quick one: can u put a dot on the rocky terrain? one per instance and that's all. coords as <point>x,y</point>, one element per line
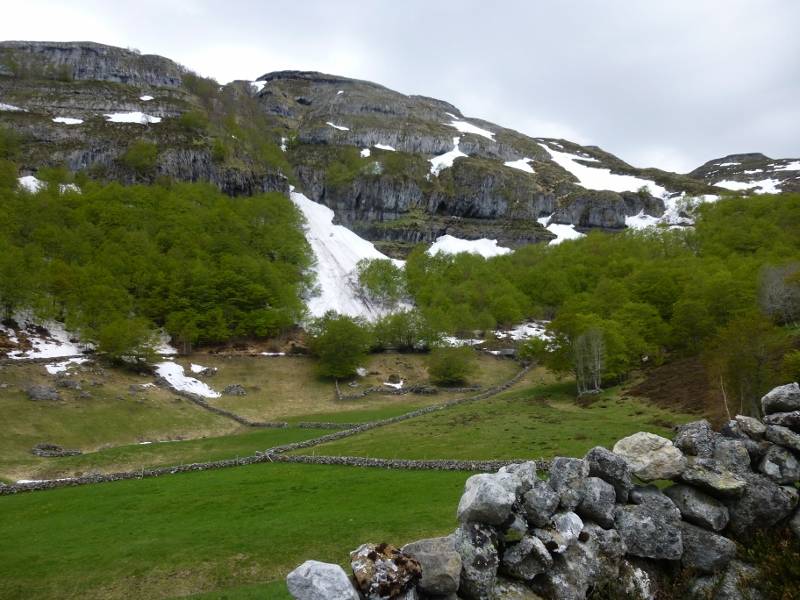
<point>396,169</point>
<point>596,525</point>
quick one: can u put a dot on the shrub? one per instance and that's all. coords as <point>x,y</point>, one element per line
<point>381,280</point>
<point>193,121</point>
<point>451,366</point>
<point>340,343</point>
<point>141,157</point>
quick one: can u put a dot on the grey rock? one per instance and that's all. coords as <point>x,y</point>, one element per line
<point>383,571</point>
<point>648,532</point>
<point>611,468</point>
<point>752,427</point>
<point>785,398</point>
<point>790,420</point>
<point>783,436</point>
<point>488,498</point>
<point>730,585</point>
<point>710,476</point>
<point>598,502</point>
<point>234,389</point>
<point>526,559</point>
<point>525,472</point>
<point>732,454</point>
<point>567,476</point>
<point>657,500</point>
<point>651,457</point>
<point>516,530</point>
<point>441,564</point>
<point>696,439</point>
<point>763,504</point>
<point>477,546</point>
<point>698,508</point>
<point>315,580</point>
<point>794,524</point>
<point>539,504</point>
<point>563,531</point>
<point>42,393</point>
<point>508,589</point>
<point>705,551</point>
<point>68,384</point>
<point>780,465</point>
<point>52,451</point>
<point>634,583</point>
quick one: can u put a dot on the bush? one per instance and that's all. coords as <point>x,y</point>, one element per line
<point>340,343</point>
<point>451,366</point>
<point>141,157</point>
<point>193,121</point>
<point>382,281</point>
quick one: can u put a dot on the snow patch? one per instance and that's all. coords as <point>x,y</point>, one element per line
<point>340,92</point>
<point>272,353</point>
<point>397,386</point>
<point>339,127</point>
<point>337,251</point>
<point>445,161</point>
<point>362,372</point>
<point>792,166</point>
<point>764,186</point>
<point>163,347</point>
<point>173,374</point>
<point>11,108</point>
<point>49,339</point>
<point>131,117</point>
<point>597,178</point>
<point>447,244</point>
<point>365,153</point>
<point>561,231</point>
<point>727,164</point>
<point>526,331</point>
<point>68,120</point>
<point>145,98</point>
<point>465,127</point>
<point>197,368</point>
<point>384,147</point>
<point>454,342</point>
<point>641,221</point>
<point>522,164</point>
<point>259,85</point>
<point>61,367</point>
<point>283,144</point>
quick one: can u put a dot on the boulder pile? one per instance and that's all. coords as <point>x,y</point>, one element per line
<point>599,522</point>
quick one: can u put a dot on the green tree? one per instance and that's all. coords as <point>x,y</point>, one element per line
<point>141,157</point>
<point>340,343</point>
<point>451,366</point>
<point>382,281</point>
<point>126,341</point>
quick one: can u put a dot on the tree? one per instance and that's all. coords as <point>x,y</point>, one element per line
<point>141,158</point>
<point>340,343</point>
<point>451,366</point>
<point>779,292</point>
<point>381,280</point>
<point>127,340</point>
<point>589,352</point>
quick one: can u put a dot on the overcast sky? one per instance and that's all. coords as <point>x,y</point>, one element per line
<point>670,84</point>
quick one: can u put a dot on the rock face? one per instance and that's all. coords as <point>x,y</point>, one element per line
<point>790,420</point>
<point>651,456</point>
<point>315,580</point>
<point>441,565</point>
<point>521,542</point>
<point>383,571</point>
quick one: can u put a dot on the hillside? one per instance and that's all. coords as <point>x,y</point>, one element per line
<point>395,169</point>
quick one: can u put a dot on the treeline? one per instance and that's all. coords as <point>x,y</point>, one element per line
<point>115,262</point>
<point>728,289</point>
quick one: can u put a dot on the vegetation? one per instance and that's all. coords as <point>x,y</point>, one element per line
<point>116,262</point>
<point>382,280</point>
<point>141,158</point>
<point>340,343</point>
<point>451,366</point>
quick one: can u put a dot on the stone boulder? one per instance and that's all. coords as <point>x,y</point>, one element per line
<point>611,468</point>
<point>52,451</point>
<point>651,456</point>
<point>763,504</point>
<point>234,389</point>
<point>477,546</point>
<point>780,465</point>
<point>698,508</point>
<point>562,532</point>
<point>598,502</point>
<point>732,454</point>
<point>567,477</point>
<point>315,580</point>
<point>708,475</point>
<point>526,559</point>
<point>649,531</point>
<point>783,436</point>
<point>790,420</point>
<point>752,427</point>
<point>488,498</point>
<point>705,551</point>
<point>784,398</point>
<point>508,589</point>
<point>382,571</point>
<point>731,585</point>
<point>42,393</point>
<point>525,472</point>
<point>540,503</point>
<point>696,439</point>
<point>441,564</point>
<point>794,524</point>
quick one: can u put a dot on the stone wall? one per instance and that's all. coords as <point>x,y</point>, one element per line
<point>599,522</point>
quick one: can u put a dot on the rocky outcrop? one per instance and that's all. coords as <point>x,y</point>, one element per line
<point>519,534</point>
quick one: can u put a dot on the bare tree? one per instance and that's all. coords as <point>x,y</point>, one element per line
<point>779,292</point>
<point>590,357</point>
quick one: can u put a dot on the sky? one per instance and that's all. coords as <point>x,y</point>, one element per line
<point>668,84</point>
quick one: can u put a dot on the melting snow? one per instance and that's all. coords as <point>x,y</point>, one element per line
<point>448,244</point>
<point>259,85</point>
<point>33,185</point>
<point>764,186</point>
<point>173,373</point>
<point>562,232</point>
<point>145,98</point>
<point>522,164</point>
<point>397,386</point>
<point>53,344</point>
<point>365,153</point>
<point>792,166</point>
<point>163,346</point>
<point>60,367</point>
<point>597,178</point>
<point>727,164</point>
<point>444,161</point>
<point>11,108</point>
<point>272,353</point>
<point>197,368</point>
<point>362,372</point>
<point>526,331</point>
<point>132,117</point>
<point>339,127</point>
<point>454,342</point>
<point>337,251</point>
<point>754,171</point>
<point>68,120</point>
<point>384,147</point>
<point>641,221</point>
<point>283,144</point>
<point>465,127</point>
<point>340,92</point>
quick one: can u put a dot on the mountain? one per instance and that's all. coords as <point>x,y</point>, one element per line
<point>396,169</point>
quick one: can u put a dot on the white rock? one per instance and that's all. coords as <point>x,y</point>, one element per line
<point>314,580</point>
<point>651,456</point>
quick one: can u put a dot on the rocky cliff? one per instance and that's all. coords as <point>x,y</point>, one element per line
<point>397,168</point>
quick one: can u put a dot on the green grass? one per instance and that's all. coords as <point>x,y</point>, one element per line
<point>214,530</point>
<point>536,422</point>
<point>125,458</point>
